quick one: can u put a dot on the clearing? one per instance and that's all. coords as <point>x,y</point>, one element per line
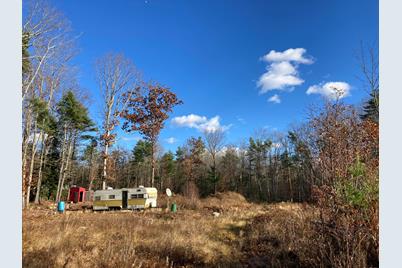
<point>243,235</point>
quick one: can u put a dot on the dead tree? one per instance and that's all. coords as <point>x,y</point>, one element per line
<point>116,76</point>
<point>214,142</point>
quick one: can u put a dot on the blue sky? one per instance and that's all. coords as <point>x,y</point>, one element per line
<point>211,54</point>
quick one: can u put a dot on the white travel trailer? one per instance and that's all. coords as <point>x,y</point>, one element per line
<point>126,198</point>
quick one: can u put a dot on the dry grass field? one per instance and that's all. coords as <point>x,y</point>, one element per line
<point>243,235</point>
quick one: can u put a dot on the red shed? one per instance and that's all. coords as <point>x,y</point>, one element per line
<point>77,194</point>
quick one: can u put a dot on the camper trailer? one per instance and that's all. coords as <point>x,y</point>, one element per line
<point>126,198</point>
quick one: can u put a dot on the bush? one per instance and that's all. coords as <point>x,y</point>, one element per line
<point>359,190</point>
<point>347,230</point>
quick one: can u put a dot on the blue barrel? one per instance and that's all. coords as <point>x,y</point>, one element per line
<point>60,206</point>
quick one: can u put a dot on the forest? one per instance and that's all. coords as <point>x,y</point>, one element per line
<point>329,161</point>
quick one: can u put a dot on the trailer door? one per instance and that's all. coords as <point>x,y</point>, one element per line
<point>124,199</point>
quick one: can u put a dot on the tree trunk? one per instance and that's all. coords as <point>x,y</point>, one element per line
<point>153,164</point>
<point>31,167</point>
<point>160,179</point>
<point>41,164</point>
<point>70,147</point>
<point>25,143</point>
<point>63,153</point>
<point>153,172</point>
<point>25,146</point>
<point>104,175</point>
<point>91,171</point>
<point>63,160</point>
<point>110,103</point>
<point>214,172</point>
<point>290,186</point>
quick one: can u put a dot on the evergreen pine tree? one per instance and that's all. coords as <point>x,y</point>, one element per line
<point>371,107</point>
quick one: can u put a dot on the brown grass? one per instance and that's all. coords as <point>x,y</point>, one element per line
<point>281,237</point>
<point>244,235</point>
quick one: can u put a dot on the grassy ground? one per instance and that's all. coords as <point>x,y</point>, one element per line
<point>243,235</point>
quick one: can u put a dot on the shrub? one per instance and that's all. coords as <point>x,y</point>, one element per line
<point>359,190</point>
<point>347,230</point>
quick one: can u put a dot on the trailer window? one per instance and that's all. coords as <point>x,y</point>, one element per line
<point>134,196</point>
<point>111,196</point>
<point>97,198</point>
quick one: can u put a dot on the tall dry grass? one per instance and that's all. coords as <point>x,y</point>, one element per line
<point>244,235</point>
<point>154,238</point>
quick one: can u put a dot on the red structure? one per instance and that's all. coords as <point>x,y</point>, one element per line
<point>77,194</point>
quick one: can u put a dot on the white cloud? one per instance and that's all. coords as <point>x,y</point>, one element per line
<point>201,123</point>
<point>279,76</point>
<point>275,99</point>
<point>282,72</point>
<point>331,90</point>
<point>191,120</point>
<point>171,140</point>
<point>291,54</point>
<point>213,125</point>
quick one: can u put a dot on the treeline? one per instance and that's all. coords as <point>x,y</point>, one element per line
<point>267,167</point>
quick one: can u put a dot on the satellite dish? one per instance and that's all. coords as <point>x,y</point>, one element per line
<point>168,192</point>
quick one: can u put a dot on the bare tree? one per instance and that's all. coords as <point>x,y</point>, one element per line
<point>47,46</point>
<point>368,62</point>
<point>214,143</point>
<point>42,162</point>
<point>117,77</point>
<point>47,33</point>
<point>367,58</point>
<point>92,163</point>
<point>35,140</point>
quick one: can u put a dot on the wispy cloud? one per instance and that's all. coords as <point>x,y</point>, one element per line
<point>134,138</point>
<point>275,99</point>
<point>171,140</point>
<point>241,120</point>
<point>331,90</point>
<point>202,123</point>
<point>268,127</point>
<point>282,69</point>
